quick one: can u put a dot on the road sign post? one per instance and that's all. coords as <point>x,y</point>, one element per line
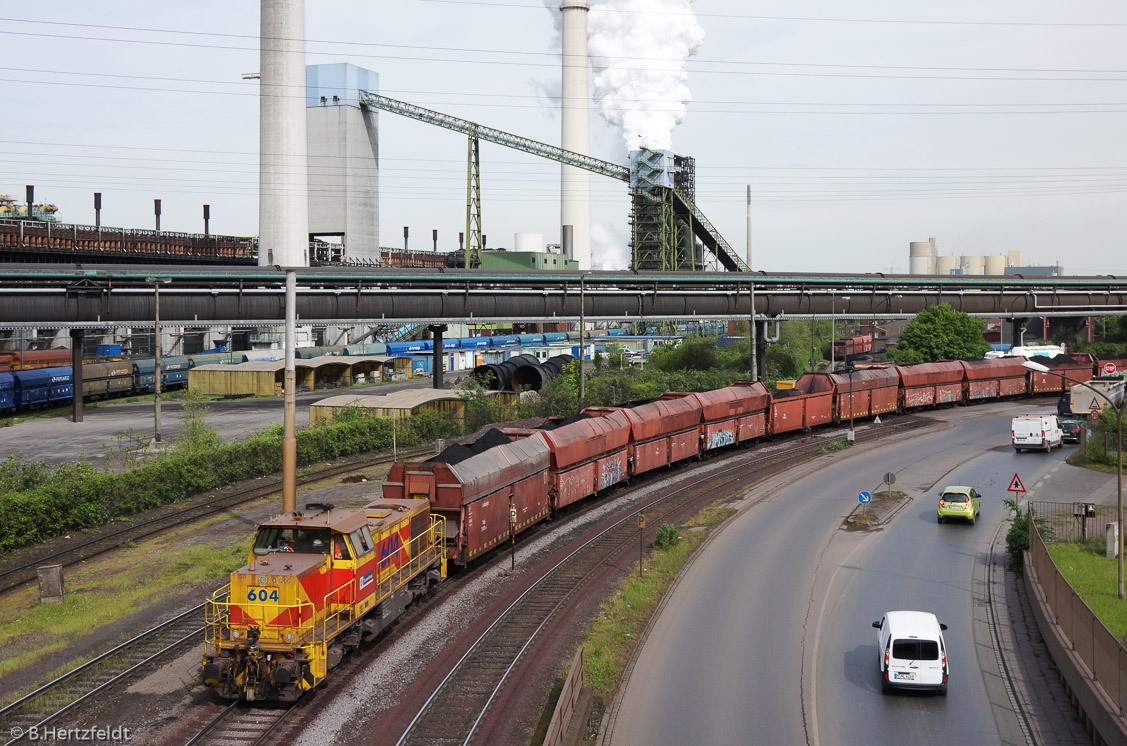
<point>864,498</point>
<point>1016,485</point>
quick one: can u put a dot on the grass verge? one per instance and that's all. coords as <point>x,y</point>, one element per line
<point>613,634</point>
<point>1095,578</point>
<point>109,589</point>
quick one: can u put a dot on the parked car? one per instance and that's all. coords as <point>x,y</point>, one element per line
<point>962,503</point>
<point>1040,431</point>
<point>912,652</point>
<point>1070,430</point>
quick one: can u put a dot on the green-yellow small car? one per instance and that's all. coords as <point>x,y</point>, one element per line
<point>962,503</point>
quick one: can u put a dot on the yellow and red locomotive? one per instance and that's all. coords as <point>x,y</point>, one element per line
<point>317,583</point>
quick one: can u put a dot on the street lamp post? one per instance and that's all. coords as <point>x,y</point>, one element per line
<point>1030,365</point>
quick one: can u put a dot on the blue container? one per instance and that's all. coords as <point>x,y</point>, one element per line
<point>109,350</point>
<point>420,365</point>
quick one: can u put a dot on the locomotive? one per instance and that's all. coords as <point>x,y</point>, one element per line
<point>317,583</point>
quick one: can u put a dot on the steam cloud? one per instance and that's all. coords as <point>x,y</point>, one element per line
<point>638,49</point>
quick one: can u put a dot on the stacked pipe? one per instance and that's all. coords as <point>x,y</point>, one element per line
<point>522,371</point>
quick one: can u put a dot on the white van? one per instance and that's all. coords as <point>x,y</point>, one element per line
<point>1040,431</point>
<point>913,654</point>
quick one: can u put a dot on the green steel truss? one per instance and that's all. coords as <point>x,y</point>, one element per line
<point>665,220</point>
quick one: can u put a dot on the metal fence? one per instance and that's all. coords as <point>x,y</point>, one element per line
<point>1100,651</point>
<point>1072,522</point>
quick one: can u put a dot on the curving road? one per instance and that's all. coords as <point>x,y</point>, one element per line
<point>767,637</point>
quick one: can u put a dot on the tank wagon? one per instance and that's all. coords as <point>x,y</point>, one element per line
<point>317,583</point>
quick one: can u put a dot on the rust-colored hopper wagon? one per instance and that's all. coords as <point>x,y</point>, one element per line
<point>865,392</point>
<point>474,487</point>
<point>994,378</point>
<point>930,384</point>
<point>807,405</point>
<point>662,431</point>
<point>736,414</point>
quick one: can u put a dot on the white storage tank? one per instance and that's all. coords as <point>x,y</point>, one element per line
<point>996,265</point>
<point>1013,257</point>
<point>946,265</point>
<point>921,257</point>
<point>528,242</point>
<point>973,265</point>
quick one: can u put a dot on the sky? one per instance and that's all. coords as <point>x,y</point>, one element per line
<point>860,125</point>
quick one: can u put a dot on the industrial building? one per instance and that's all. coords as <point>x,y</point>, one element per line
<point>923,259</point>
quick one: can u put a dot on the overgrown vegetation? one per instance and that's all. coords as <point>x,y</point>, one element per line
<point>836,445</point>
<point>1017,538</point>
<point>37,503</point>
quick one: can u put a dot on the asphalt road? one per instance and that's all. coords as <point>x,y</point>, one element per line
<point>767,637</point>
<point>58,440</point>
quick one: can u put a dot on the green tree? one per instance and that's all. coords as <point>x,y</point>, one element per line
<point>798,342</point>
<point>940,333</point>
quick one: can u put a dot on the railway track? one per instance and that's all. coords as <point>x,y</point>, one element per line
<point>20,720</point>
<point>241,724</point>
<point>458,706</point>
<point>17,575</point>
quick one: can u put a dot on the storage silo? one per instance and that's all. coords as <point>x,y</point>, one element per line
<point>973,265</point>
<point>921,257</point>
<point>946,265</point>
<point>1013,258</point>
<point>528,242</point>
<point>996,265</point>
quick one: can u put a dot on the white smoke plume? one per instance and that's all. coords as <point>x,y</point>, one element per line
<point>638,49</point>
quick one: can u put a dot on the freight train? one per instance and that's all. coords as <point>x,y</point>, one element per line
<point>301,602</point>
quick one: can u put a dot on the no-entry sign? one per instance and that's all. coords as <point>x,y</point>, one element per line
<point>1109,369</point>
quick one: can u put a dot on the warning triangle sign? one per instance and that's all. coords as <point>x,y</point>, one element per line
<point>1094,406</point>
<point>1016,485</point>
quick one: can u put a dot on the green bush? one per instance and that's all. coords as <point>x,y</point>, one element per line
<point>667,536</point>
<point>1017,538</point>
<point>37,503</point>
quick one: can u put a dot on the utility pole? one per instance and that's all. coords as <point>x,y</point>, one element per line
<point>289,437</point>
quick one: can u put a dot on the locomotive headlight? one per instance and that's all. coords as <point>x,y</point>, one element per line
<point>262,579</point>
<point>290,636</point>
<point>236,634</point>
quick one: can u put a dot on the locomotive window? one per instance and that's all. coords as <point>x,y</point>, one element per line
<point>361,541</point>
<point>290,539</point>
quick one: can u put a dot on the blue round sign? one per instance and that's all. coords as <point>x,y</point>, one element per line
<point>864,498</point>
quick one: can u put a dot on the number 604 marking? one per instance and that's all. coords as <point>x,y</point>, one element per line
<point>262,594</point>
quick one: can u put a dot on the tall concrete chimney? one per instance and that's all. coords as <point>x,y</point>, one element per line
<point>575,183</point>
<point>749,226</point>
<point>283,212</point>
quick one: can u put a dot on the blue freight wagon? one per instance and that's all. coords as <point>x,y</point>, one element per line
<point>42,386</point>
<point>7,391</point>
<point>174,371</point>
<point>405,348</point>
<point>144,375</point>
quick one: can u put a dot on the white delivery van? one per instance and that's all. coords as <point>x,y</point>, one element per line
<point>1040,431</point>
<point>913,653</point>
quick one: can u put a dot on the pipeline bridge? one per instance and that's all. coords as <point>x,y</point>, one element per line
<point>104,297</point>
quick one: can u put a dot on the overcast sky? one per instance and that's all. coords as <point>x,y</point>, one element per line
<point>860,125</point>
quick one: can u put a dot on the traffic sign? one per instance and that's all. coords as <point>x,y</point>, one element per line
<point>1094,408</point>
<point>1109,369</point>
<point>1016,485</point>
<point>864,498</point>
<point>890,478</point>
